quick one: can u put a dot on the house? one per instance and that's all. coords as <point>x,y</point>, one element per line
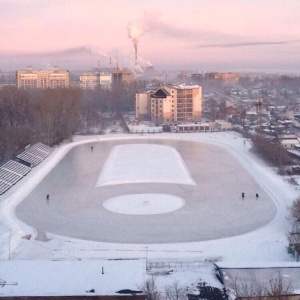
<point>288,141</point>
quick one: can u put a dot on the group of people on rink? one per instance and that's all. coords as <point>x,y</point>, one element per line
<point>256,195</point>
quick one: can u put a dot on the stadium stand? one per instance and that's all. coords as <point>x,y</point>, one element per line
<point>10,173</point>
<point>35,154</point>
<point>4,187</point>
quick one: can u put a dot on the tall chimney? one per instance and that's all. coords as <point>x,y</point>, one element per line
<point>135,50</point>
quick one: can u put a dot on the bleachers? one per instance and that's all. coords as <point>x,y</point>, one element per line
<point>4,187</point>
<point>16,167</point>
<point>10,173</point>
<point>35,154</point>
<point>9,176</point>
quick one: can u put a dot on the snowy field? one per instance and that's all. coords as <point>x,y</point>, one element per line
<point>266,242</point>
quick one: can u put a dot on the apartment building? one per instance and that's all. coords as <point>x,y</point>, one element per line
<point>42,79</point>
<point>92,80</point>
<point>124,76</point>
<point>222,76</point>
<point>170,104</point>
<point>89,80</point>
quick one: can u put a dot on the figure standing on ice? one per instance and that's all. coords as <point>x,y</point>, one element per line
<point>257,196</point>
<point>47,198</point>
<point>92,148</point>
<point>243,195</point>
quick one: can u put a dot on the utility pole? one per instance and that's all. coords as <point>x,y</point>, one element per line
<point>9,244</point>
<point>258,105</point>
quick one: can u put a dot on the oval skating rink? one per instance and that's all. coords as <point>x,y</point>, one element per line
<point>147,191</point>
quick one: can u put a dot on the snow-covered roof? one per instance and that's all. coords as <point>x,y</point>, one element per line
<point>294,152</point>
<point>263,272</point>
<point>183,86</point>
<point>258,265</point>
<point>69,278</point>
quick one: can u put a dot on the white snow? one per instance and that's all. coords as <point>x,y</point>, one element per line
<point>262,246</point>
<point>144,204</point>
<point>144,163</point>
<point>70,277</point>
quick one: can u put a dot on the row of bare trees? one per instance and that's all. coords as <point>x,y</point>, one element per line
<point>272,152</point>
<point>274,284</point>
<point>294,234</point>
<point>48,116</point>
<point>172,291</point>
<point>52,115</point>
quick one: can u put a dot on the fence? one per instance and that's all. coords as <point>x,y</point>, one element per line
<point>141,131</point>
<point>176,264</point>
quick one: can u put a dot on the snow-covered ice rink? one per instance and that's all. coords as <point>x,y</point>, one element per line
<point>213,207</point>
<point>157,196</point>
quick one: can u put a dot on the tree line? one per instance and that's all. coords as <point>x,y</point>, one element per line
<point>272,152</point>
<point>53,115</point>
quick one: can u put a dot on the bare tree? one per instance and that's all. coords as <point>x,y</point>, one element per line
<point>274,153</point>
<point>150,289</point>
<point>175,291</point>
<point>250,286</point>
<point>279,285</point>
<point>294,211</point>
<point>246,286</point>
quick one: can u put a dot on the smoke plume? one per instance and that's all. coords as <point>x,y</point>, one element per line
<point>151,23</point>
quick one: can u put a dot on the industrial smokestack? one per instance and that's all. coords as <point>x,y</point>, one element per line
<point>135,51</point>
<point>135,31</point>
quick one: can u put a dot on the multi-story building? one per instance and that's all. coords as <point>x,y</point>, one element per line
<point>32,79</point>
<point>93,80</point>
<point>170,104</point>
<point>89,80</point>
<point>124,76</point>
<point>227,76</point>
<point>222,76</point>
<point>105,80</point>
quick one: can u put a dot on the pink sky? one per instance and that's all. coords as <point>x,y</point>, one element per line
<point>189,34</point>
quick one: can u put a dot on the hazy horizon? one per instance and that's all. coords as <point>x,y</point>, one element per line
<point>232,35</point>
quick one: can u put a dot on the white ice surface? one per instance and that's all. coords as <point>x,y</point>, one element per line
<point>144,204</point>
<point>264,245</point>
<point>144,163</point>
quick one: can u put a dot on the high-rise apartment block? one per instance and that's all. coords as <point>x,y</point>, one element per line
<point>123,76</point>
<point>92,80</point>
<point>42,79</point>
<point>169,104</point>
